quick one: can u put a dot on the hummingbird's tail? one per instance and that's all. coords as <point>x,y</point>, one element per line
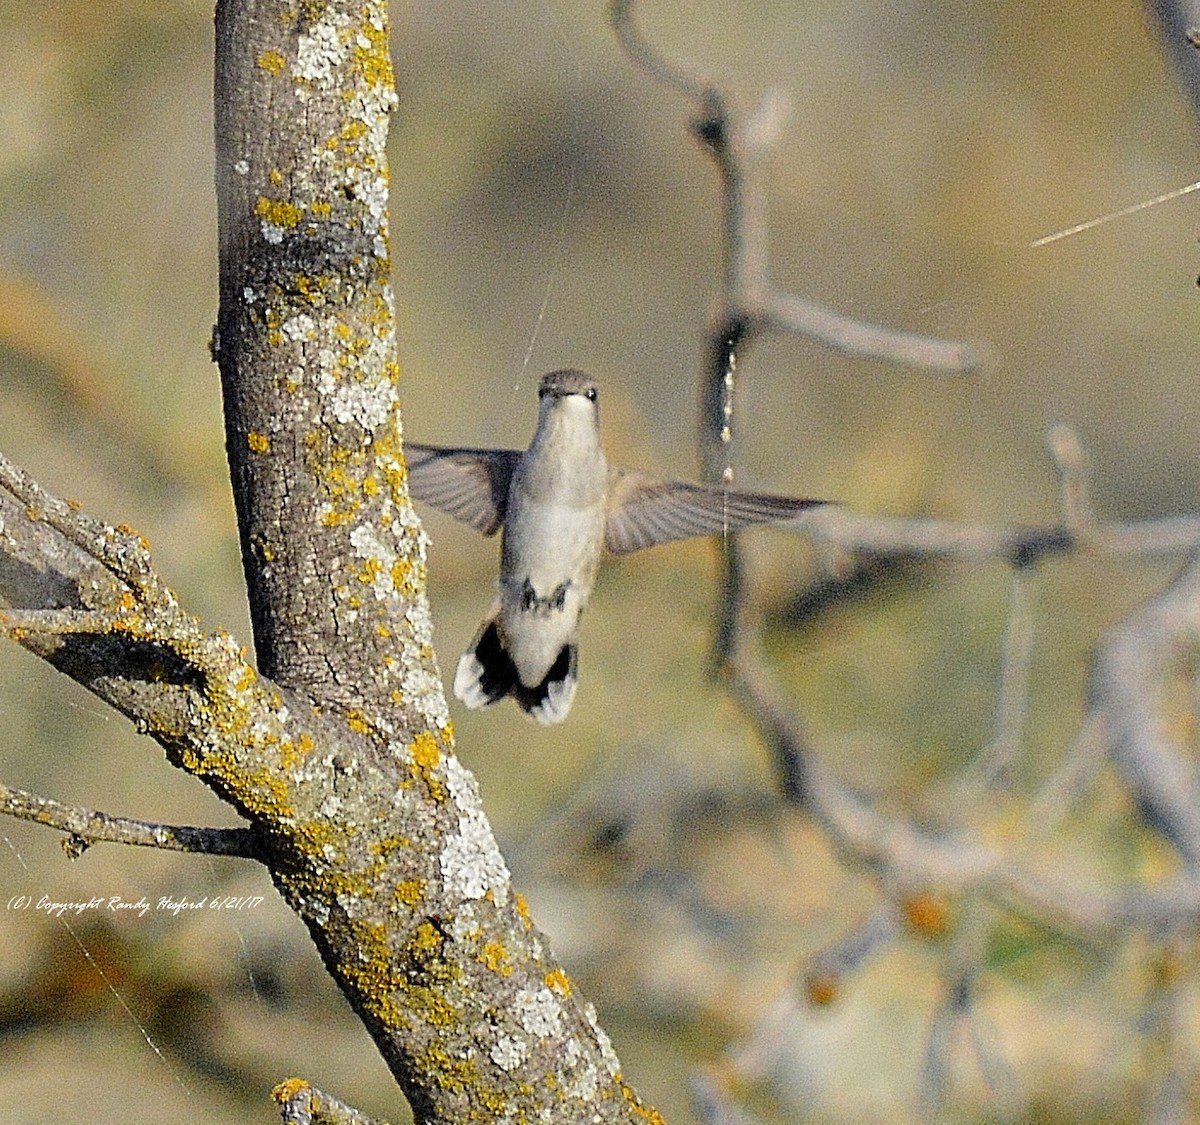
<point>486,674</point>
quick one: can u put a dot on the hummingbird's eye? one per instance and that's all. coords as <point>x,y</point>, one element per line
<point>591,394</point>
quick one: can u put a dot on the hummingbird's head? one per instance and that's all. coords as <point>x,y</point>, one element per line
<point>567,404</point>
<point>563,384</point>
<point>567,408</point>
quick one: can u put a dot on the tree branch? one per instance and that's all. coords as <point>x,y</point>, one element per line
<point>338,750</point>
<point>87,826</point>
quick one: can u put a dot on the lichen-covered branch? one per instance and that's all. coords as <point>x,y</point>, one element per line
<point>337,747</point>
<point>414,914</point>
<point>382,847</point>
<point>333,553</point>
<point>301,1104</point>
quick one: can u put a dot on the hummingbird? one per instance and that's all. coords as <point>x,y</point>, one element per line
<point>559,505</point>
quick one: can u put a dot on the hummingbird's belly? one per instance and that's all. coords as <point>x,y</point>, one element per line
<point>548,564</point>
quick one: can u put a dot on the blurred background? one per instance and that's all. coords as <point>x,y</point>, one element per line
<point>550,208</point>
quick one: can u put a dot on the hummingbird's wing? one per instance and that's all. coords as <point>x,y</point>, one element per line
<point>643,511</point>
<point>469,484</point>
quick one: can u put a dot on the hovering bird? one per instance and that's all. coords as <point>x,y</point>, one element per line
<point>560,504</point>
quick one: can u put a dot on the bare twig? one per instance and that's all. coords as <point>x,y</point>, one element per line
<point>826,969</point>
<point>749,301</point>
<point>1135,661</point>
<point>996,760</point>
<point>92,826</point>
<point>1067,452</point>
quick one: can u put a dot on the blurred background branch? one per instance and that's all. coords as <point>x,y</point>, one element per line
<point>946,879</point>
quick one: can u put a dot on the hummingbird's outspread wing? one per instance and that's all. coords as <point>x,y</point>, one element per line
<point>469,484</point>
<point>643,511</point>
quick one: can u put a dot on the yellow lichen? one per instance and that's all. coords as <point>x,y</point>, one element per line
<point>312,289</point>
<point>401,570</point>
<point>289,758</point>
<point>372,975</point>
<point>426,940</point>
<point>557,980</point>
<point>369,570</point>
<point>410,892</point>
<point>272,62</point>
<point>288,1089</point>
<point>279,212</point>
<point>495,957</point>
<point>425,752</point>
<point>645,1112</point>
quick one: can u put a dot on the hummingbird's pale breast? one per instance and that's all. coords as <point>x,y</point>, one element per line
<point>553,535</point>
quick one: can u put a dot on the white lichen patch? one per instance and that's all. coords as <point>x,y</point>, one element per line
<point>464,789</point>
<point>464,926</point>
<point>271,233</point>
<point>370,190</point>
<point>471,862</point>
<point>321,51</point>
<point>299,327</point>
<point>423,690</point>
<point>539,1012</point>
<point>371,106</point>
<point>606,1048</point>
<point>358,387</point>
<point>585,1079</point>
<point>509,1052</point>
<point>419,672</point>
<point>369,402</point>
<point>370,544</point>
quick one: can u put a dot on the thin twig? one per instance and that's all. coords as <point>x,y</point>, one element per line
<point>786,312</point>
<point>826,969</point>
<point>1067,452</point>
<point>750,299</point>
<point>996,760</point>
<point>95,827</point>
<point>1132,663</point>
